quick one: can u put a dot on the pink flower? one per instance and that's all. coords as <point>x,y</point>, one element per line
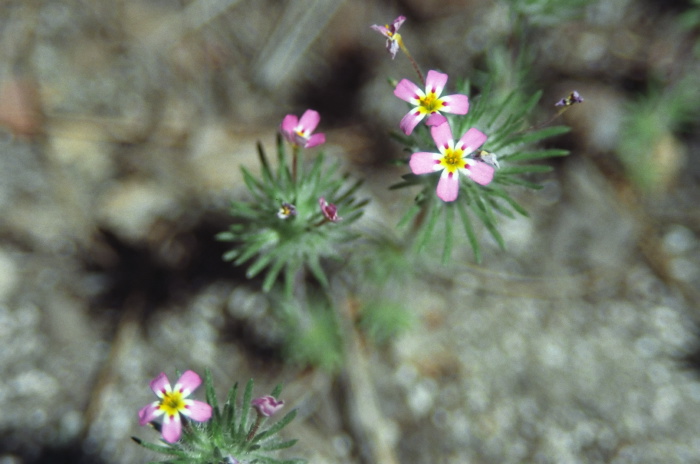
<point>329,210</point>
<point>429,102</point>
<point>393,39</point>
<point>267,405</point>
<point>172,403</point>
<point>298,131</point>
<point>452,159</point>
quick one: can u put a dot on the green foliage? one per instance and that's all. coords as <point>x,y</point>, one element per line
<point>233,431</point>
<point>383,320</point>
<point>547,12</point>
<point>281,248</point>
<point>314,337</point>
<point>646,146</point>
<point>505,121</point>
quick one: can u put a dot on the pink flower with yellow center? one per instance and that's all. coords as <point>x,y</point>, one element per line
<point>393,38</point>
<point>299,132</point>
<point>172,402</point>
<point>429,102</point>
<point>453,159</point>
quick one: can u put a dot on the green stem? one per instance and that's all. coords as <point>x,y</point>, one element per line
<point>404,49</point>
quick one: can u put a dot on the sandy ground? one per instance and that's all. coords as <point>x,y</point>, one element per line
<point>124,126</point>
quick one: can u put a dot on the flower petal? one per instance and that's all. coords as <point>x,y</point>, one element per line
<point>316,139</point>
<point>398,22</point>
<point>171,428</point>
<point>160,384</point>
<point>309,120</point>
<point>188,382</point>
<point>410,121</point>
<point>149,412</point>
<point>472,139</point>
<point>480,172</point>
<point>197,410</point>
<point>392,45</point>
<point>448,186</point>
<point>408,91</point>
<point>455,104</point>
<point>289,123</point>
<point>381,29</point>
<point>442,135</point>
<point>435,82</point>
<point>423,162</point>
<point>267,405</point>
<point>435,119</point>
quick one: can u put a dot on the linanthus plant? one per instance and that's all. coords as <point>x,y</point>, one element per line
<point>462,162</point>
<point>292,221</point>
<point>197,432</point>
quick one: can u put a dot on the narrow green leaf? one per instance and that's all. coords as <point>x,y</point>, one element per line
<point>230,419</point>
<point>532,155</point>
<point>409,215</point>
<point>427,228</point>
<point>511,180</point>
<point>277,391</point>
<point>469,229</point>
<point>496,114</point>
<point>273,273</point>
<point>536,136</point>
<point>252,248</point>
<point>351,191</point>
<point>211,395</point>
<point>279,446</point>
<point>254,186</point>
<point>259,264</point>
<point>483,212</point>
<point>159,448</point>
<point>266,171</point>
<point>230,255</point>
<point>317,271</point>
<point>504,195</point>
<point>449,218</point>
<point>245,408</point>
<point>526,168</point>
<point>276,427</point>
<point>225,236</point>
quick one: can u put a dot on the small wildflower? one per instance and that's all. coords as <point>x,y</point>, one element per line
<point>172,403</point>
<point>298,131</point>
<point>286,210</point>
<point>393,38</point>
<point>267,405</point>
<point>429,102</point>
<point>230,460</point>
<point>489,158</point>
<point>329,210</point>
<point>452,159</point>
<point>571,99</point>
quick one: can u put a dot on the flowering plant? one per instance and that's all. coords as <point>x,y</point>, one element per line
<point>290,227</point>
<point>219,435</point>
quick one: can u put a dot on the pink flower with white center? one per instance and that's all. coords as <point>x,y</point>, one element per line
<point>429,102</point>
<point>172,403</point>
<point>329,210</point>
<point>267,405</point>
<point>452,160</point>
<point>298,132</point>
<point>393,39</point>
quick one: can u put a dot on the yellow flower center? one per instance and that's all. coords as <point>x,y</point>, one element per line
<point>430,103</point>
<point>172,403</point>
<point>452,159</point>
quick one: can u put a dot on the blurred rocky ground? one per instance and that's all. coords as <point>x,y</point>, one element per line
<point>124,126</point>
